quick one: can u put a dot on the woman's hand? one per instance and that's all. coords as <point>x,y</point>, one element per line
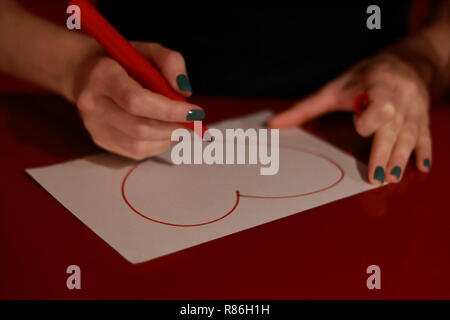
<point>397,114</point>
<point>122,116</point>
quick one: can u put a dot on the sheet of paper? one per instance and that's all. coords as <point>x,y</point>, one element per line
<point>149,209</point>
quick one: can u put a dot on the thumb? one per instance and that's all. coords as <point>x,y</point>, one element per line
<point>171,64</point>
<point>304,110</point>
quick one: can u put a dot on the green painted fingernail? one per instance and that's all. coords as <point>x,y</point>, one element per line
<point>195,114</point>
<point>427,163</point>
<point>379,174</point>
<point>396,172</point>
<point>183,83</point>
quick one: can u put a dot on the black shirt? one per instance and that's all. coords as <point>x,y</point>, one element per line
<point>262,50</point>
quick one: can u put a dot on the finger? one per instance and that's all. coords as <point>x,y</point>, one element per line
<point>134,99</point>
<point>424,149</point>
<point>406,141</point>
<point>135,127</point>
<point>304,110</point>
<point>380,111</point>
<point>115,141</point>
<point>171,64</point>
<point>381,149</point>
<point>336,95</point>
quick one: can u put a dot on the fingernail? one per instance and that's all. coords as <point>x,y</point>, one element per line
<point>427,163</point>
<point>396,172</point>
<point>379,174</point>
<point>195,114</point>
<point>183,83</point>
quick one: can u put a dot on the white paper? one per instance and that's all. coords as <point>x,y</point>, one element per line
<point>162,208</point>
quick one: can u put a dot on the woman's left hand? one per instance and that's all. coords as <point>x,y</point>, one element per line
<point>397,114</point>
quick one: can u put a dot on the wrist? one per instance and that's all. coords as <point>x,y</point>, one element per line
<point>84,52</point>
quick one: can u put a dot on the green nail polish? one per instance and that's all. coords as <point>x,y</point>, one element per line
<point>195,114</point>
<point>379,174</point>
<point>396,172</point>
<point>183,83</point>
<point>427,163</point>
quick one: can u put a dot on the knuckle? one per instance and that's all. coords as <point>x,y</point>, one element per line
<point>141,131</point>
<point>411,130</point>
<point>173,57</point>
<point>167,110</point>
<point>131,101</point>
<point>362,129</point>
<point>382,73</point>
<point>138,150</point>
<point>104,72</point>
<point>409,86</point>
<point>397,121</point>
<point>103,68</point>
<point>425,132</point>
<point>85,102</point>
<point>403,154</point>
<point>387,111</point>
<point>170,112</point>
<point>108,65</point>
<point>425,140</point>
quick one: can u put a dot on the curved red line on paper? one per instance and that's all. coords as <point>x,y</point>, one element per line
<point>124,197</point>
<point>238,194</point>
<point>341,170</point>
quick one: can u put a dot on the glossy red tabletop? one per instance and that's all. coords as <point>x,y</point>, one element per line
<point>320,253</point>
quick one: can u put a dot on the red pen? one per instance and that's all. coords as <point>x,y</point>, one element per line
<point>123,52</point>
<point>360,103</point>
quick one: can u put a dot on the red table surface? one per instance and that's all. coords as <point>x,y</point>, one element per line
<point>320,253</point>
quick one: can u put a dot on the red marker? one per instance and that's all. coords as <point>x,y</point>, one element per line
<point>360,103</point>
<point>122,51</point>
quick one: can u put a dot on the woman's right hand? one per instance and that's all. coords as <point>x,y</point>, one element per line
<point>127,119</point>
